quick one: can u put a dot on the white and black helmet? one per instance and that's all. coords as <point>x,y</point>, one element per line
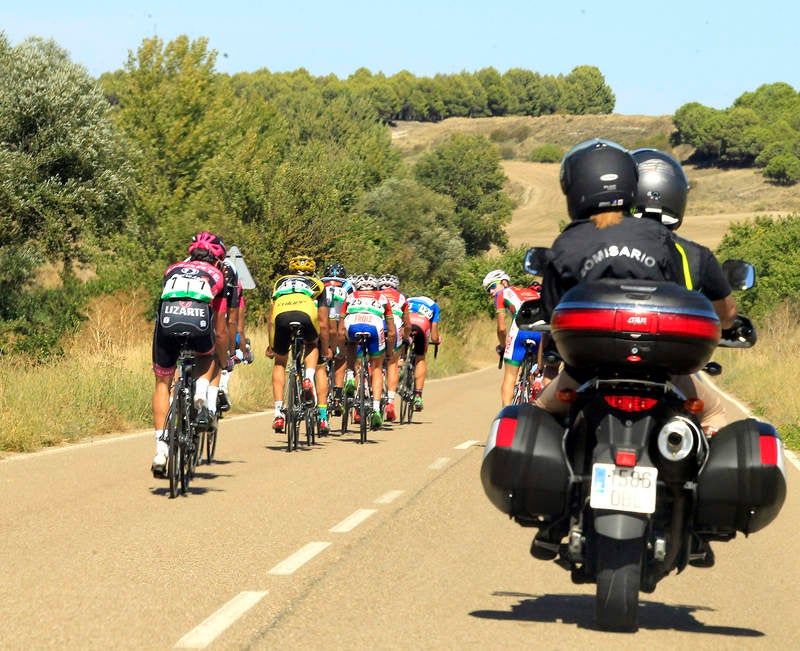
<point>389,280</point>
<point>366,282</point>
<point>598,175</point>
<point>662,189</point>
<point>496,276</point>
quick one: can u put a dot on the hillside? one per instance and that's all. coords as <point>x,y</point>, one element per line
<point>717,196</point>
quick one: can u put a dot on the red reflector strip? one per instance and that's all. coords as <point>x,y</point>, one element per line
<point>582,319</point>
<point>689,326</point>
<point>627,459</point>
<point>505,432</point>
<point>630,403</point>
<point>769,450</point>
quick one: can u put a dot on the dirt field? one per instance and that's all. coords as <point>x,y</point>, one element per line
<point>717,198</point>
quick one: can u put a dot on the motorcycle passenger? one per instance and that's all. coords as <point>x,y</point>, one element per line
<point>507,301</point>
<point>298,296</point>
<point>661,195</point>
<point>192,303</point>
<point>424,318</point>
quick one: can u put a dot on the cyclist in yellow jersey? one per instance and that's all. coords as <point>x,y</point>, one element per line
<point>298,296</point>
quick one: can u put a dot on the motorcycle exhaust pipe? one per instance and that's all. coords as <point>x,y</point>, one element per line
<point>677,439</point>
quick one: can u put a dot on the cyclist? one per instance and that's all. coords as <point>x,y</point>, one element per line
<point>218,389</point>
<point>338,288</point>
<point>424,319</point>
<point>507,300</point>
<point>367,310</point>
<point>389,286</point>
<point>298,296</point>
<point>241,348</point>
<point>192,304</point>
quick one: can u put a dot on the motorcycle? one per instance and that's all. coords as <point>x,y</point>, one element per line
<point>629,487</point>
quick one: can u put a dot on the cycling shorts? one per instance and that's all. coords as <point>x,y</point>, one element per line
<point>370,324</point>
<point>419,339</point>
<point>288,308</point>
<point>166,349</point>
<point>515,344</point>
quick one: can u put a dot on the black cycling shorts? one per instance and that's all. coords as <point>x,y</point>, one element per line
<point>280,339</point>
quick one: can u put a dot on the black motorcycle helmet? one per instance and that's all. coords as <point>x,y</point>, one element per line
<point>335,270</point>
<point>663,186</point>
<point>598,175</point>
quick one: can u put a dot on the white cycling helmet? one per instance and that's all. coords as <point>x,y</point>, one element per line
<point>495,276</point>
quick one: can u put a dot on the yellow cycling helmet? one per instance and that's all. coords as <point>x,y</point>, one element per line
<point>302,264</point>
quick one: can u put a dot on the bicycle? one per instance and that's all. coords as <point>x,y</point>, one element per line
<point>180,426</point>
<point>529,380</point>
<point>407,385</point>
<point>294,407</point>
<point>362,401</point>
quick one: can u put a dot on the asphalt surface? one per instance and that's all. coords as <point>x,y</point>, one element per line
<point>389,545</point>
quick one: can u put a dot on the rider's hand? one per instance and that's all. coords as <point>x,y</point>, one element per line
<point>239,355</point>
<point>269,352</point>
<point>499,349</point>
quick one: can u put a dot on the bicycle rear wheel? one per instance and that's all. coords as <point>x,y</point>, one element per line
<point>311,425</point>
<point>211,444</point>
<point>289,412</point>
<point>363,398</point>
<point>173,434</point>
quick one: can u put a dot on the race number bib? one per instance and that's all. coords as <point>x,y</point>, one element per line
<point>193,287</point>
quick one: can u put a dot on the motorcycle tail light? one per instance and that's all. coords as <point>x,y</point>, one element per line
<point>694,405</point>
<point>631,404</point>
<point>567,395</point>
<point>625,458</point>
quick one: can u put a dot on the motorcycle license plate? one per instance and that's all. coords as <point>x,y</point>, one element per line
<point>623,489</point>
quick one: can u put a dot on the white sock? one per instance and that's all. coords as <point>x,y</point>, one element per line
<point>201,392</point>
<point>212,398</point>
<point>391,396</point>
<point>223,381</point>
<point>376,405</point>
<point>161,443</point>
<point>278,407</point>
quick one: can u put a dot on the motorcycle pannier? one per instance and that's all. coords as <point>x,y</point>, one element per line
<point>631,324</point>
<point>743,485</point>
<point>523,472</point>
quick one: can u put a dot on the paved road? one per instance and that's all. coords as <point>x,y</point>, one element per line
<point>402,551</point>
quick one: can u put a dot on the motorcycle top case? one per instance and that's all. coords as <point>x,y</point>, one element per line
<point>524,473</point>
<point>743,484</point>
<point>635,324</point>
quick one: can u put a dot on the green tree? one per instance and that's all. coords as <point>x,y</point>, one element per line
<point>467,169</point>
<point>584,92</point>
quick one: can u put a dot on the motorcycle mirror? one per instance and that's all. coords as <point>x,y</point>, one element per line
<point>740,274</point>
<point>536,260</point>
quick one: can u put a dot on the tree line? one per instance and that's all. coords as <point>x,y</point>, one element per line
<point>761,129</point>
<point>105,181</point>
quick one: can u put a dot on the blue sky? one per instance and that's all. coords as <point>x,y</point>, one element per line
<point>654,56</point>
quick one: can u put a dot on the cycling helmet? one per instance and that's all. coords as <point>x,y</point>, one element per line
<point>598,175</point>
<point>367,281</point>
<point>206,241</point>
<point>302,264</point>
<point>495,276</point>
<point>388,280</point>
<point>661,193</point>
<point>335,270</point>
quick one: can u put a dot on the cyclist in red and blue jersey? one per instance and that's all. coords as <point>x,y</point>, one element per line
<point>389,285</point>
<point>192,306</point>
<point>368,311</point>
<point>507,300</point>
<point>423,315</point>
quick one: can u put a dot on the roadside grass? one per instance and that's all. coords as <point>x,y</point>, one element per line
<point>764,377</point>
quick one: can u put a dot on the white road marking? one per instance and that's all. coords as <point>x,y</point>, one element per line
<point>440,463</point>
<point>206,632</point>
<point>465,445</point>
<point>299,558</point>
<point>353,520</point>
<point>388,498</point>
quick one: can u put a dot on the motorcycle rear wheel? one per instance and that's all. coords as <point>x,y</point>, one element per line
<point>619,570</point>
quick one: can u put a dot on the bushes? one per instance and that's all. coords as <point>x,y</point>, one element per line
<point>546,154</point>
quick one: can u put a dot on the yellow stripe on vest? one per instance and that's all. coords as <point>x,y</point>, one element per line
<point>687,272</point>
